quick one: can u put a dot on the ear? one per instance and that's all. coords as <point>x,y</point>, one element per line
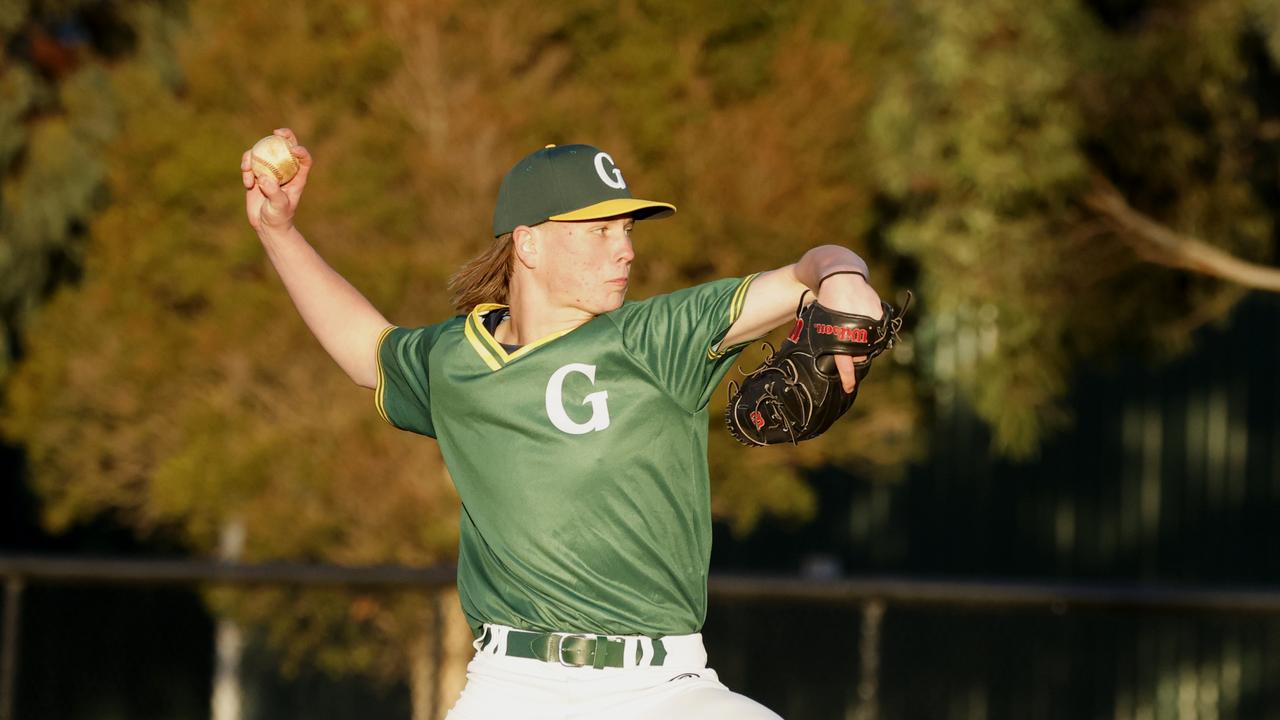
<point>525,245</point>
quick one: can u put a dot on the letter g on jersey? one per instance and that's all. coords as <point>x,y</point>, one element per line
<point>597,400</point>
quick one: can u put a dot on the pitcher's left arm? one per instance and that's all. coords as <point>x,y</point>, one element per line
<point>838,278</point>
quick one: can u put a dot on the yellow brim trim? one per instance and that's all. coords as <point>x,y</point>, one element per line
<point>619,206</point>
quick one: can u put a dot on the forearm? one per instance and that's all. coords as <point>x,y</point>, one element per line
<point>773,296</point>
<point>825,260</point>
<point>346,324</point>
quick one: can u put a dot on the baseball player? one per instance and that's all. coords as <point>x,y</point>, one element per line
<point>574,426</point>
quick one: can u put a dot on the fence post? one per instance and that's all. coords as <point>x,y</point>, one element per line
<point>227,699</point>
<point>867,706</point>
<point>13,585</point>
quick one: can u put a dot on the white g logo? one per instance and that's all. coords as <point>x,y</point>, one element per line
<point>597,400</point>
<point>611,177</point>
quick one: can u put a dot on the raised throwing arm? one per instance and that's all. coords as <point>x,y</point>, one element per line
<point>344,321</point>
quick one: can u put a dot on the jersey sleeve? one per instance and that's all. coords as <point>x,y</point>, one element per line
<point>403,394</point>
<point>676,336</point>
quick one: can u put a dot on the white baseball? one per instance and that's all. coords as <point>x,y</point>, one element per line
<point>271,156</point>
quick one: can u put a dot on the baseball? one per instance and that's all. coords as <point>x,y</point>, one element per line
<point>271,156</point>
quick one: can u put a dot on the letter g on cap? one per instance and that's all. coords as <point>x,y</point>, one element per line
<point>611,177</point>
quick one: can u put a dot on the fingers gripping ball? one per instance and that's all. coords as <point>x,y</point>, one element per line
<point>796,394</point>
<point>271,156</point>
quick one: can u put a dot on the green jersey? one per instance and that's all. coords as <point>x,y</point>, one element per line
<point>580,459</point>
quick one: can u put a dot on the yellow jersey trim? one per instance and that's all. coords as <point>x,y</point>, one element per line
<point>735,311</point>
<point>474,337</point>
<point>380,389</point>
<point>488,347</point>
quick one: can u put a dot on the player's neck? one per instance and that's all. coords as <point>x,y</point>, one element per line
<point>534,316</point>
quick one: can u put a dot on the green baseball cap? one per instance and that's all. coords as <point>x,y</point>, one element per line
<point>567,182</point>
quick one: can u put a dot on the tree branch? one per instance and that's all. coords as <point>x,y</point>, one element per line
<point>1157,243</point>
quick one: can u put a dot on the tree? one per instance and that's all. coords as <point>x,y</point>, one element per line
<point>992,140</point>
<point>57,116</point>
<point>140,397</point>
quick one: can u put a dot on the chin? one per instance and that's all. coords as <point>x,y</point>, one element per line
<point>608,304</point>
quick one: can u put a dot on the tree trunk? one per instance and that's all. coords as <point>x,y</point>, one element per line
<point>867,704</point>
<point>227,702</point>
<point>1156,243</point>
<point>228,695</point>
<point>438,662</point>
<point>456,649</point>
<point>422,686</point>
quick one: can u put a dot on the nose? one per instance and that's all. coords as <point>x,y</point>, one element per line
<point>625,252</point>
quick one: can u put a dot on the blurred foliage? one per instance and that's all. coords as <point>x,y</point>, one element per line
<point>1003,117</point>
<point>174,386</point>
<point>57,115</point>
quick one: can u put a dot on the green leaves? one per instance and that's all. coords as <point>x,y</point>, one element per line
<point>989,135</point>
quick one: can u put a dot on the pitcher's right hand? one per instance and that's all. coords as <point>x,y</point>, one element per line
<point>270,206</point>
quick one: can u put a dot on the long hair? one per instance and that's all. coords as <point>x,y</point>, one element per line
<point>484,278</point>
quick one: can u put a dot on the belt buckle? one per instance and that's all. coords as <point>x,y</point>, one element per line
<point>561,637</point>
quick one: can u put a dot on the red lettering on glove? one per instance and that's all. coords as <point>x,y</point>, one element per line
<point>857,335</point>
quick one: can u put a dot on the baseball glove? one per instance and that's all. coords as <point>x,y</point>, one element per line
<point>796,394</point>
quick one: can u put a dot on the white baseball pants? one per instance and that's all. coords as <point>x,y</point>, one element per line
<point>683,688</point>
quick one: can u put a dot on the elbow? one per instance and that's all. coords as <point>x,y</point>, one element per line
<point>829,248</point>
<point>364,375</point>
<point>822,252</point>
<point>833,254</point>
<point>827,259</point>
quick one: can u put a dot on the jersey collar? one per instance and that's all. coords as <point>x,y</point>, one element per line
<point>488,348</point>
